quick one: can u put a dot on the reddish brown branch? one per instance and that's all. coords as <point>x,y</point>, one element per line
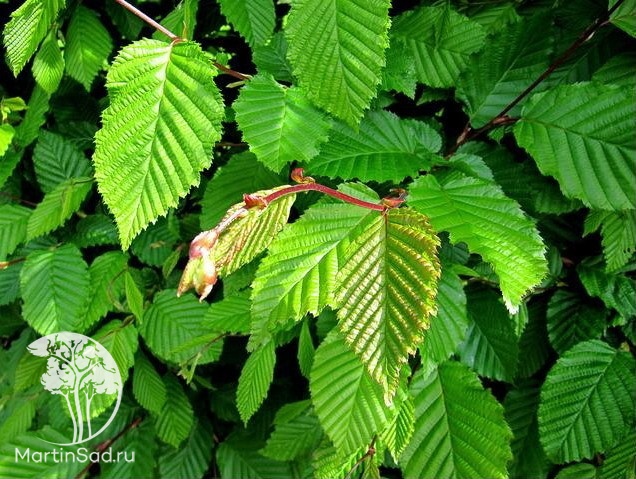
<point>367,455</point>
<point>323,189</point>
<point>469,134</point>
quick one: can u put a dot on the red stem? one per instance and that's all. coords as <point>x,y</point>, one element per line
<point>138,13</point>
<point>326,190</point>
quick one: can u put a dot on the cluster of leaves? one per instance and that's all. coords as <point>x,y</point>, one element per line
<point>485,328</point>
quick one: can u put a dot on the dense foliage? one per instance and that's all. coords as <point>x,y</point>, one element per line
<point>445,290</point>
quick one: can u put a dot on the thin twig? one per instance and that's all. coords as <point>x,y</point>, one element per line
<point>501,119</point>
<point>157,26</point>
<point>109,442</point>
<point>326,190</point>
<point>6,264</point>
<point>229,71</point>
<point>369,454</point>
<point>18,199</point>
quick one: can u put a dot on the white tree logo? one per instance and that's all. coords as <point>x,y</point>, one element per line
<point>78,368</point>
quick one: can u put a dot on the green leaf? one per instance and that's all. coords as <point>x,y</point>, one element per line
<point>231,314</point>
<point>172,325</point>
<point>139,441</point>
<point>13,228</point>
<point>347,400</point>
<point>95,230</point>
<point>618,70</point>
<point>448,328</point>
<point>272,58</point>
<point>88,46</point>
<point>247,237</point>
<point>7,133</point>
<point>174,423</point>
<point>107,286</point>
<point>28,130</point>
<point>306,350</point>
<point>624,17</point>
<point>400,429</point>
<point>571,320</point>
<point>297,432</point>
<point>29,24</point>
<point>620,459</point>
<point>55,286</point>
<point>182,21</point>
<point>48,64</point>
<point>385,148</point>
<point>155,244</point>
<point>256,377</point>
<point>279,123</point>
<point>534,345</point>
<point>298,275</point>
<point>134,297</point>
<point>56,159</point>
<point>490,347</point>
<point>17,415</point>
<point>587,401</point>
<point>336,49</point>
<point>476,212</point>
<point>121,340</point>
<point>440,42</point>
<point>453,413</point>
<point>242,174</point>
<point>521,406</point>
<point>147,386</point>
<point>618,231</point>
<point>176,119</point>
<point>616,291</point>
<point>523,182</point>
<point>58,206</point>
<point>510,60</point>
<point>192,459</point>
<point>386,291</point>
<point>328,463</point>
<point>253,19</point>
<point>237,459</point>
<point>10,283</point>
<point>582,135</point>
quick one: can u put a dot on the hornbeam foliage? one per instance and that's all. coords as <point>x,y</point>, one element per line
<point>410,228</point>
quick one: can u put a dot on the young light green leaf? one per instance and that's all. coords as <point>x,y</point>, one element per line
<point>386,291</point>
<point>452,413</point>
<point>174,423</point>
<point>13,228</point>
<point>347,400</point>
<point>490,347</point>
<point>7,132</point>
<point>253,19</point>
<point>279,123</point>
<point>587,141</point>
<point>58,206</point>
<point>510,60</point>
<point>256,378</point>
<point>587,401</point>
<point>298,276</point>
<point>571,320</point>
<point>247,237</point>
<point>147,386</point>
<point>29,24</point>
<point>176,118</point>
<point>134,297</point>
<point>440,41</point>
<point>618,231</point>
<point>337,52</point>
<point>401,427</point>
<point>476,212</point>
<point>48,64</point>
<point>28,130</point>
<point>88,45</point>
<point>385,148</point>
<point>56,159</point>
<point>55,286</point>
<point>182,21</point>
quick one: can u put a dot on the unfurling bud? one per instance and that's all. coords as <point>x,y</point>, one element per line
<point>200,272</point>
<point>298,175</point>
<point>399,195</point>
<point>252,201</point>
